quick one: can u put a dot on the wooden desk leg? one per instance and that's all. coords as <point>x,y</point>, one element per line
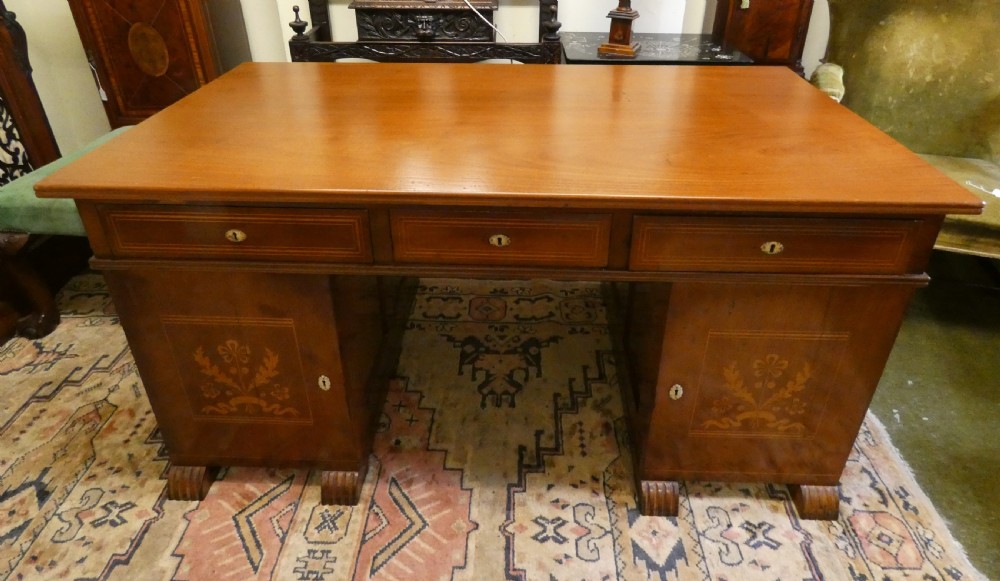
<point>659,498</point>
<point>190,482</point>
<point>816,502</point>
<point>340,487</point>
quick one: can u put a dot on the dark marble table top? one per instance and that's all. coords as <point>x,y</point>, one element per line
<point>697,49</point>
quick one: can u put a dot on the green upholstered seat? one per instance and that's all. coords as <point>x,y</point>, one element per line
<point>926,72</point>
<point>22,211</point>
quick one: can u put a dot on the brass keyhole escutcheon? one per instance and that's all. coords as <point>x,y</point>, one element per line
<point>772,247</point>
<point>676,392</point>
<point>499,240</point>
<point>324,383</point>
<point>236,235</point>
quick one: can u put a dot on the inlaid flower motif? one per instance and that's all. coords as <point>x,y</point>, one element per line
<point>245,392</point>
<point>770,366</point>
<point>762,406</point>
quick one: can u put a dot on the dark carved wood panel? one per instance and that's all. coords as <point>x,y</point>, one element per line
<point>425,25</point>
<point>14,158</point>
<point>541,53</point>
<point>405,31</point>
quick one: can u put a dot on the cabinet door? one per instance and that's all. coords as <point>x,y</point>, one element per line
<point>255,369</point>
<point>147,54</point>
<point>768,31</point>
<point>765,381</point>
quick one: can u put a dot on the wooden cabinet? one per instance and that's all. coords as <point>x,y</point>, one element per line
<point>772,387</point>
<point>239,373</point>
<point>770,32</point>
<point>147,54</point>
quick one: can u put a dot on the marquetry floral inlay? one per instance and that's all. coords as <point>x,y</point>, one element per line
<point>771,401</point>
<point>238,387</point>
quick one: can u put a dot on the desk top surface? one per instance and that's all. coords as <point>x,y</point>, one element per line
<point>725,139</point>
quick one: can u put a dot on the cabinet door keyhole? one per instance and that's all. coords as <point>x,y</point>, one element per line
<point>676,392</point>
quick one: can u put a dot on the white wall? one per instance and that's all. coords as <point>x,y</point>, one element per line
<point>61,72</point>
<point>71,100</point>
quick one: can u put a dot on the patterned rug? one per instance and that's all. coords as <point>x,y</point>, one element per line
<point>501,455</point>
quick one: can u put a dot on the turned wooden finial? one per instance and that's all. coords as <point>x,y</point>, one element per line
<point>552,25</point>
<point>298,25</point>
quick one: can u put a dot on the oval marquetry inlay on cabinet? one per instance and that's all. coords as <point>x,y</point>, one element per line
<point>149,50</point>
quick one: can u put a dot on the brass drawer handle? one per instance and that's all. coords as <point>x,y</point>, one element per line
<point>500,240</point>
<point>773,247</point>
<point>236,236</point>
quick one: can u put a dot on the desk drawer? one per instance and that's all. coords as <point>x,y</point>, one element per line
<point>500,238</point>
<point>238,233</point>
<point>809,245</point>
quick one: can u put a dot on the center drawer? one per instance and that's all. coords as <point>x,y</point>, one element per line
<point>500,238</point>
<point>238,233</point>
<point>778,245</point>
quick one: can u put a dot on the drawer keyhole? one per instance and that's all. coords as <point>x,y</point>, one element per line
<point>676,391</point>
<point>236,235</point>
<point>499,240</point>
<point>324,383</point>
<point>772,247</point>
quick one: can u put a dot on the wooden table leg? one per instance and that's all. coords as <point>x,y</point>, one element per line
<point>816,502</point>
<point>190,482</point>
<point>341,487</point>
<point>659,498</point>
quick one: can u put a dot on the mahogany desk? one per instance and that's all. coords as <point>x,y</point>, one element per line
<point>768,240</point>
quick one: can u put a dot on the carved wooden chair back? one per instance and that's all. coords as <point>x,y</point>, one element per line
<point>316,45</point>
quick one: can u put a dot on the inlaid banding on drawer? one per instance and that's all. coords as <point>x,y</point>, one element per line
<point>501,238</point>
<point>244,233</point>
<point>778,245</point>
